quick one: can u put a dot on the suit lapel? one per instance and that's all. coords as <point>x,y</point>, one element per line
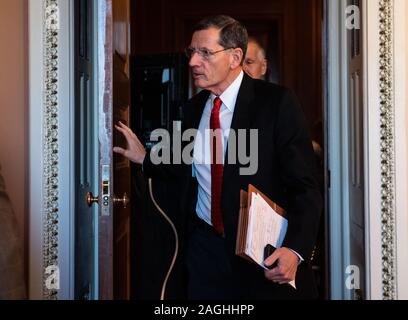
<point>241,119</point>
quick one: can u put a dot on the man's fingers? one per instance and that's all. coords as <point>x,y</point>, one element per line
<point>129,135</point>
<point>280,274</point>
<point>126,128</point>
<point>281,278</point>
<point>126,134</point>
<point>271,259</point>
<point>275,278</point>
<point>278,278</point>
<point>123,130</point>
<point>119,150</point>
<point>274,273</point>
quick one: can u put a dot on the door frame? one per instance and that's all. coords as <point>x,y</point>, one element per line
<point>337,148</point>
<point>387,256</point>
<point>385,251</point>
<point>42,23</point>
<point>40,199</point>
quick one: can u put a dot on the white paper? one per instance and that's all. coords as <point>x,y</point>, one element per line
<point>265,226</point>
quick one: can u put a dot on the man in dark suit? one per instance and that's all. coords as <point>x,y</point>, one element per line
<point>209,188</point>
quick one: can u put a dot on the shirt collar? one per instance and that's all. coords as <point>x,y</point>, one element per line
<point>229,96</point>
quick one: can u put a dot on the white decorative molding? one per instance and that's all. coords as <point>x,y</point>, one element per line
<point>386,148</point>
<point>401,142</point>
<point>387,145</point>
<point>51,119</point>
<point>51,142</point>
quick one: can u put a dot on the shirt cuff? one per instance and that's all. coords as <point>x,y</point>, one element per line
<point>299,256</point>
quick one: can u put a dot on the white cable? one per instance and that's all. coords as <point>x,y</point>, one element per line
<point>163,291</point>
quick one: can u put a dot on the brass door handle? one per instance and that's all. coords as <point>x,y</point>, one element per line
<point>124,200</point>
<point>91,199</point>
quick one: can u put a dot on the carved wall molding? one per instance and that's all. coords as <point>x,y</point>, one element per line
<point>50,149</point>
<point>387,146</point>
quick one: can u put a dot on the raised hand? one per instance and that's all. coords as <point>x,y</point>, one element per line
<point>135,151</point>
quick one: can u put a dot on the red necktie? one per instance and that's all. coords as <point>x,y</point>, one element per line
<point>217,167</point>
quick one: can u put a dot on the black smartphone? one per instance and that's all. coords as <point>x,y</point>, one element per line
<point>268,250</point>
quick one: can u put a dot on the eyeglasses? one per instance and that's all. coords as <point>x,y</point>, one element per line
<point>204,53</point>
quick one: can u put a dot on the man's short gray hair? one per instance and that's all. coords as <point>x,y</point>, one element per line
<point>233,33</point>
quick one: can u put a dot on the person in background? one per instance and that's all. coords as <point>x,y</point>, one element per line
<point>12,283</point>
<point>255,63</point>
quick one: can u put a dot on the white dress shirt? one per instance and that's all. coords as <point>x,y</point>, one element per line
<point>202,152</point>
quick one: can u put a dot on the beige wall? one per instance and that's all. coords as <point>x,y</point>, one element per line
<point>406,69</point>
<point>13,102</point>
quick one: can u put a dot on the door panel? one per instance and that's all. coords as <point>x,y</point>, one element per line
<point>102,96</point>
<point>114,105</point>
<point>356,152</point>
<point>105,93</point>
<point>85,256</point>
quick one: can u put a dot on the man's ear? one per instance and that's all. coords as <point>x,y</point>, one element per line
<point>237,57</point>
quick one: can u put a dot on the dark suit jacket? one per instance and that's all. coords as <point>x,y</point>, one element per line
<point>286,174</point>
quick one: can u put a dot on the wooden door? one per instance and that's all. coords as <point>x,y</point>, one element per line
<point>114,93</point>
<point>86,154</point>
<point>102,84</point>
<point>121,166</point>
<point>356,152</point>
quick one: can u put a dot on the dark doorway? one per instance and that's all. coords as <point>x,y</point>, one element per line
<point>289,30</point>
